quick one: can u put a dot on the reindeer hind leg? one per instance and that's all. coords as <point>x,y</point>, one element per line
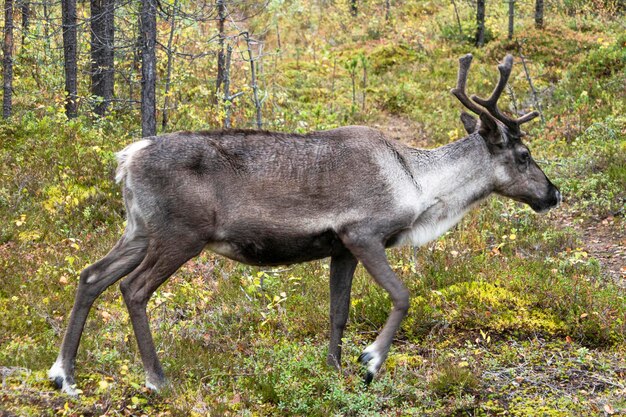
<point>123,258</point>
<point>164,257</point>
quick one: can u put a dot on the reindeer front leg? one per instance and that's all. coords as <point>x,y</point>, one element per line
<point>372,255</point>
<point>341,272</point>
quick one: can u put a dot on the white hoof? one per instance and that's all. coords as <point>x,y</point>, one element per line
<point>151,386</point>
<point>59,377</point>
<point>156,386</point>
<point>373,360</point>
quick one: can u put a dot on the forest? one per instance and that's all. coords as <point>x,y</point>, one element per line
<point>511,313</point>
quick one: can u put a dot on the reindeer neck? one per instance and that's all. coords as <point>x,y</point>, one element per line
<point>457,174</point>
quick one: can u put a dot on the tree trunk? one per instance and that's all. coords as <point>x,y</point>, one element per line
<point>68,10</point>
<point>253,84</point>
<point>7,61</point>
<point>25,8</point>
<point>148,68</point>
<point>228,100</point>
<point>170,63</point>
<point>364,83</point>
<point>458,19</point>
<point>539,14</point>
<point>480,22</point>
<point>221,13</point>
<point>46,26</point>
<point>102,58</point>
<point>511,18</point>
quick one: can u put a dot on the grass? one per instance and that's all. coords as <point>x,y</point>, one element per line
<point>510,314</point>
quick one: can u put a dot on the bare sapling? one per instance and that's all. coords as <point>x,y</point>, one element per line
<point>170,64</point>
<point>363,61</point>
<point>228,99</point>
<point>458,19</point>
<point>253,81</point>
<point>530,82</point>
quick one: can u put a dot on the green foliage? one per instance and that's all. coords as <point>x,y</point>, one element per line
<point>452,378</point>
<point>293,378</point>
<point>599,7</point>
<point>596,174</point>
<point>400,98</point>
<point>385,57</point>
<point>603,62</point>
<point>450,31</point>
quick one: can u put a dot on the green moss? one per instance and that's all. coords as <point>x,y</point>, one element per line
<point>602,62</point>
<point>453,379</point>
<point>480,305</point>
<point>385,57</point>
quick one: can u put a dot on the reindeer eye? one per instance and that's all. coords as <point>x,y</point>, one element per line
<point>524,157</point>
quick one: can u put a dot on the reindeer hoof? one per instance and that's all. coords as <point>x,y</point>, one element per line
<point>371,359</point>
<point>62,384</point>
<point>368,378</point>
<point>61,380</point>
<point>152,387</point>
<point>365,357</point>
<point>58,382</point>
<point>156,384</point>
<point>334,362</point>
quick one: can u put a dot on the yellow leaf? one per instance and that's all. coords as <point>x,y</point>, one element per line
<point>103,384</point>
<point>28,236</point>
<point>21,220</point>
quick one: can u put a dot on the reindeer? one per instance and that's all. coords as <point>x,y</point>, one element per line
<point>265,198</point>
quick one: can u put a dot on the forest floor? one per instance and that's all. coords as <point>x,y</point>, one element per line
<point>605,240</point>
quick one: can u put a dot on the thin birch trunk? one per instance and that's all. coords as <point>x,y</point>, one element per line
<point>170,62</point>
<point>7,60</point>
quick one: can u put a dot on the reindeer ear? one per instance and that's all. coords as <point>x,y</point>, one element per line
<point>469,122</point>
<point>490,131</point>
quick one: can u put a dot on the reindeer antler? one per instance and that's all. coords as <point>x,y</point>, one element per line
<point>459,91</point>
<point>490,106</point>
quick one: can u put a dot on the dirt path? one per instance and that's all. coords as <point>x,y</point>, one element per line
<point>404,129</point>
<point>605,240</point>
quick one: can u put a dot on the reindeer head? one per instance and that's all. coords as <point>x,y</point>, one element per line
<point>516,174</point>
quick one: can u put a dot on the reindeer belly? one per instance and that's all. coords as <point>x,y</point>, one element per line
<point>255,248</point>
